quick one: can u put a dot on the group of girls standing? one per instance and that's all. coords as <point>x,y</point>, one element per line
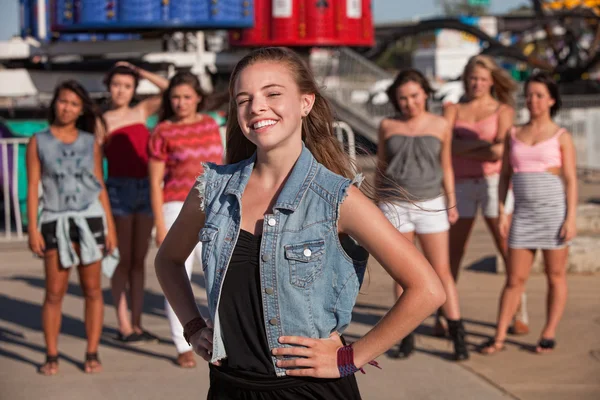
<point>465,161</point>
<point>282,276</point>
<point>83,218</point>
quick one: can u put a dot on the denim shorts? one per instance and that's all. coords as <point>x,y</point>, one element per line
<point>129,196</point>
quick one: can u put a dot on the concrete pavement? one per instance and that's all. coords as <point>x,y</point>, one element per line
<point>148,372</point>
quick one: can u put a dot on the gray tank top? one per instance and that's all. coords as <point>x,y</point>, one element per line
<point>68,179</point>
<point>413,162</point>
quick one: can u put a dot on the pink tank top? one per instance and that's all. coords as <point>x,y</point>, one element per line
<point>535,158</point>
<point>485,129</point>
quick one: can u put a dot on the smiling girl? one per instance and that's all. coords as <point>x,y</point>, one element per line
<point>285,240</point>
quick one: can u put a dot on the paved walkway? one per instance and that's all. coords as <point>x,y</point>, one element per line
<point>148,372</point>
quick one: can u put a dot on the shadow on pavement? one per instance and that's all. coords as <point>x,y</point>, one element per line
<point>28,315</point>
<point>153,302</point>
<point>486,264</point>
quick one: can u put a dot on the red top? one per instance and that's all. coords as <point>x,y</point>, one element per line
<point>183,147</point>
<point>127,152</point>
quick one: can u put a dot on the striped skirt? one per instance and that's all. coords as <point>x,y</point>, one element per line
<point>540,210</point>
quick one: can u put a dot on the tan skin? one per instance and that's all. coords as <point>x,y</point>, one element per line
<point>480,105</point>
<point>416,121</point>
<point>540,128</point>
<point>267,91</point>
<point>134,230</point>
<point>184,102</point>
<point>68,109</point>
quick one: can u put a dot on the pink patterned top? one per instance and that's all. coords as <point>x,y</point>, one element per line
<point>485,129</point>
<point>535,158</point>
<point>183,147</point>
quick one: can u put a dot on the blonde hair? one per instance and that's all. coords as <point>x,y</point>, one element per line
<point>504,86</point>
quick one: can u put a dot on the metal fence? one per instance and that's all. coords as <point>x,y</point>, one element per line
<point>9,149</point>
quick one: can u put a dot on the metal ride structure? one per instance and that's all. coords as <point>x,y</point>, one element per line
<point>560,36</point>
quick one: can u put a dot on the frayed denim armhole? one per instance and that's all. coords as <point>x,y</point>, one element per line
<point>356,181</point>
<point>201,185</point>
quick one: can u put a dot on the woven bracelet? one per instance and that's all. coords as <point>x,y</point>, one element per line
<point>345,362</point>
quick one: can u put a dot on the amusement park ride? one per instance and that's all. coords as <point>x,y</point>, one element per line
<point>82,38</point>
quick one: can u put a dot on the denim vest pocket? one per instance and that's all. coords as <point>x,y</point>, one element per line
<point>305,261</point>
<point>207,236</point>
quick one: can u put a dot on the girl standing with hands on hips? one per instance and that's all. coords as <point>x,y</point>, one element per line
<point>182,140</point>
<point>540,162</point>
<point>76,227</point>
<point>285,246</point>
<point>126,150</point>
<point>415,153</point>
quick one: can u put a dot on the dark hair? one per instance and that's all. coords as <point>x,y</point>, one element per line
<point>180,78</point>
<point>90,114</point>
<point>546,79</point>
<point>405,76</point>
<point>121,70</point>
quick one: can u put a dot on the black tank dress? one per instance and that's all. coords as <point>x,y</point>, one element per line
<point>248,373</point>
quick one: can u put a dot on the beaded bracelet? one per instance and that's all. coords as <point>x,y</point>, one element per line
<point>345,362</point>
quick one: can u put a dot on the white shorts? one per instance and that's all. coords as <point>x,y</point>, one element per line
<point>422,217</point>
<point>476,192</point>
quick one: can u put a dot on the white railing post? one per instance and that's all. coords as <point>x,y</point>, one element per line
<point>6,189</point>
<point>341,128</point>
<point>11,193</point>
<point>15,191</point>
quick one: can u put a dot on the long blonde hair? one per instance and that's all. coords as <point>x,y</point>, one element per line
<point>504,86</point>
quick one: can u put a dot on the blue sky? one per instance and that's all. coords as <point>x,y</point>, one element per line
<point>384,10</point>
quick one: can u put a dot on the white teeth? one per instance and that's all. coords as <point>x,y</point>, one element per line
<point>260,124</point>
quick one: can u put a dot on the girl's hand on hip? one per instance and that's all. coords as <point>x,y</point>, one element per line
<point>317,357</point>
<point>202,342</point>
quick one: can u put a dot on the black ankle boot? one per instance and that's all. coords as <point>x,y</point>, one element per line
<point>405,348</point>
<point>457,333</point>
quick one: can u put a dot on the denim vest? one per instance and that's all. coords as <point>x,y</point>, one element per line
<point>309,279</point>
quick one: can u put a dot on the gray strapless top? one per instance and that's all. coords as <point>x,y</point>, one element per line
<point>413,162</point>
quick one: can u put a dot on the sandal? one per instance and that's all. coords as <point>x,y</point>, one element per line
<point>92,363</point>
<point>545,346</point>
<point>186,360</point>
<point>50,367</point>
<point>492,346</point>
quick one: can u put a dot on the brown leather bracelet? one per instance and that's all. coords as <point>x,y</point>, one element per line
<point>192,327</point>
